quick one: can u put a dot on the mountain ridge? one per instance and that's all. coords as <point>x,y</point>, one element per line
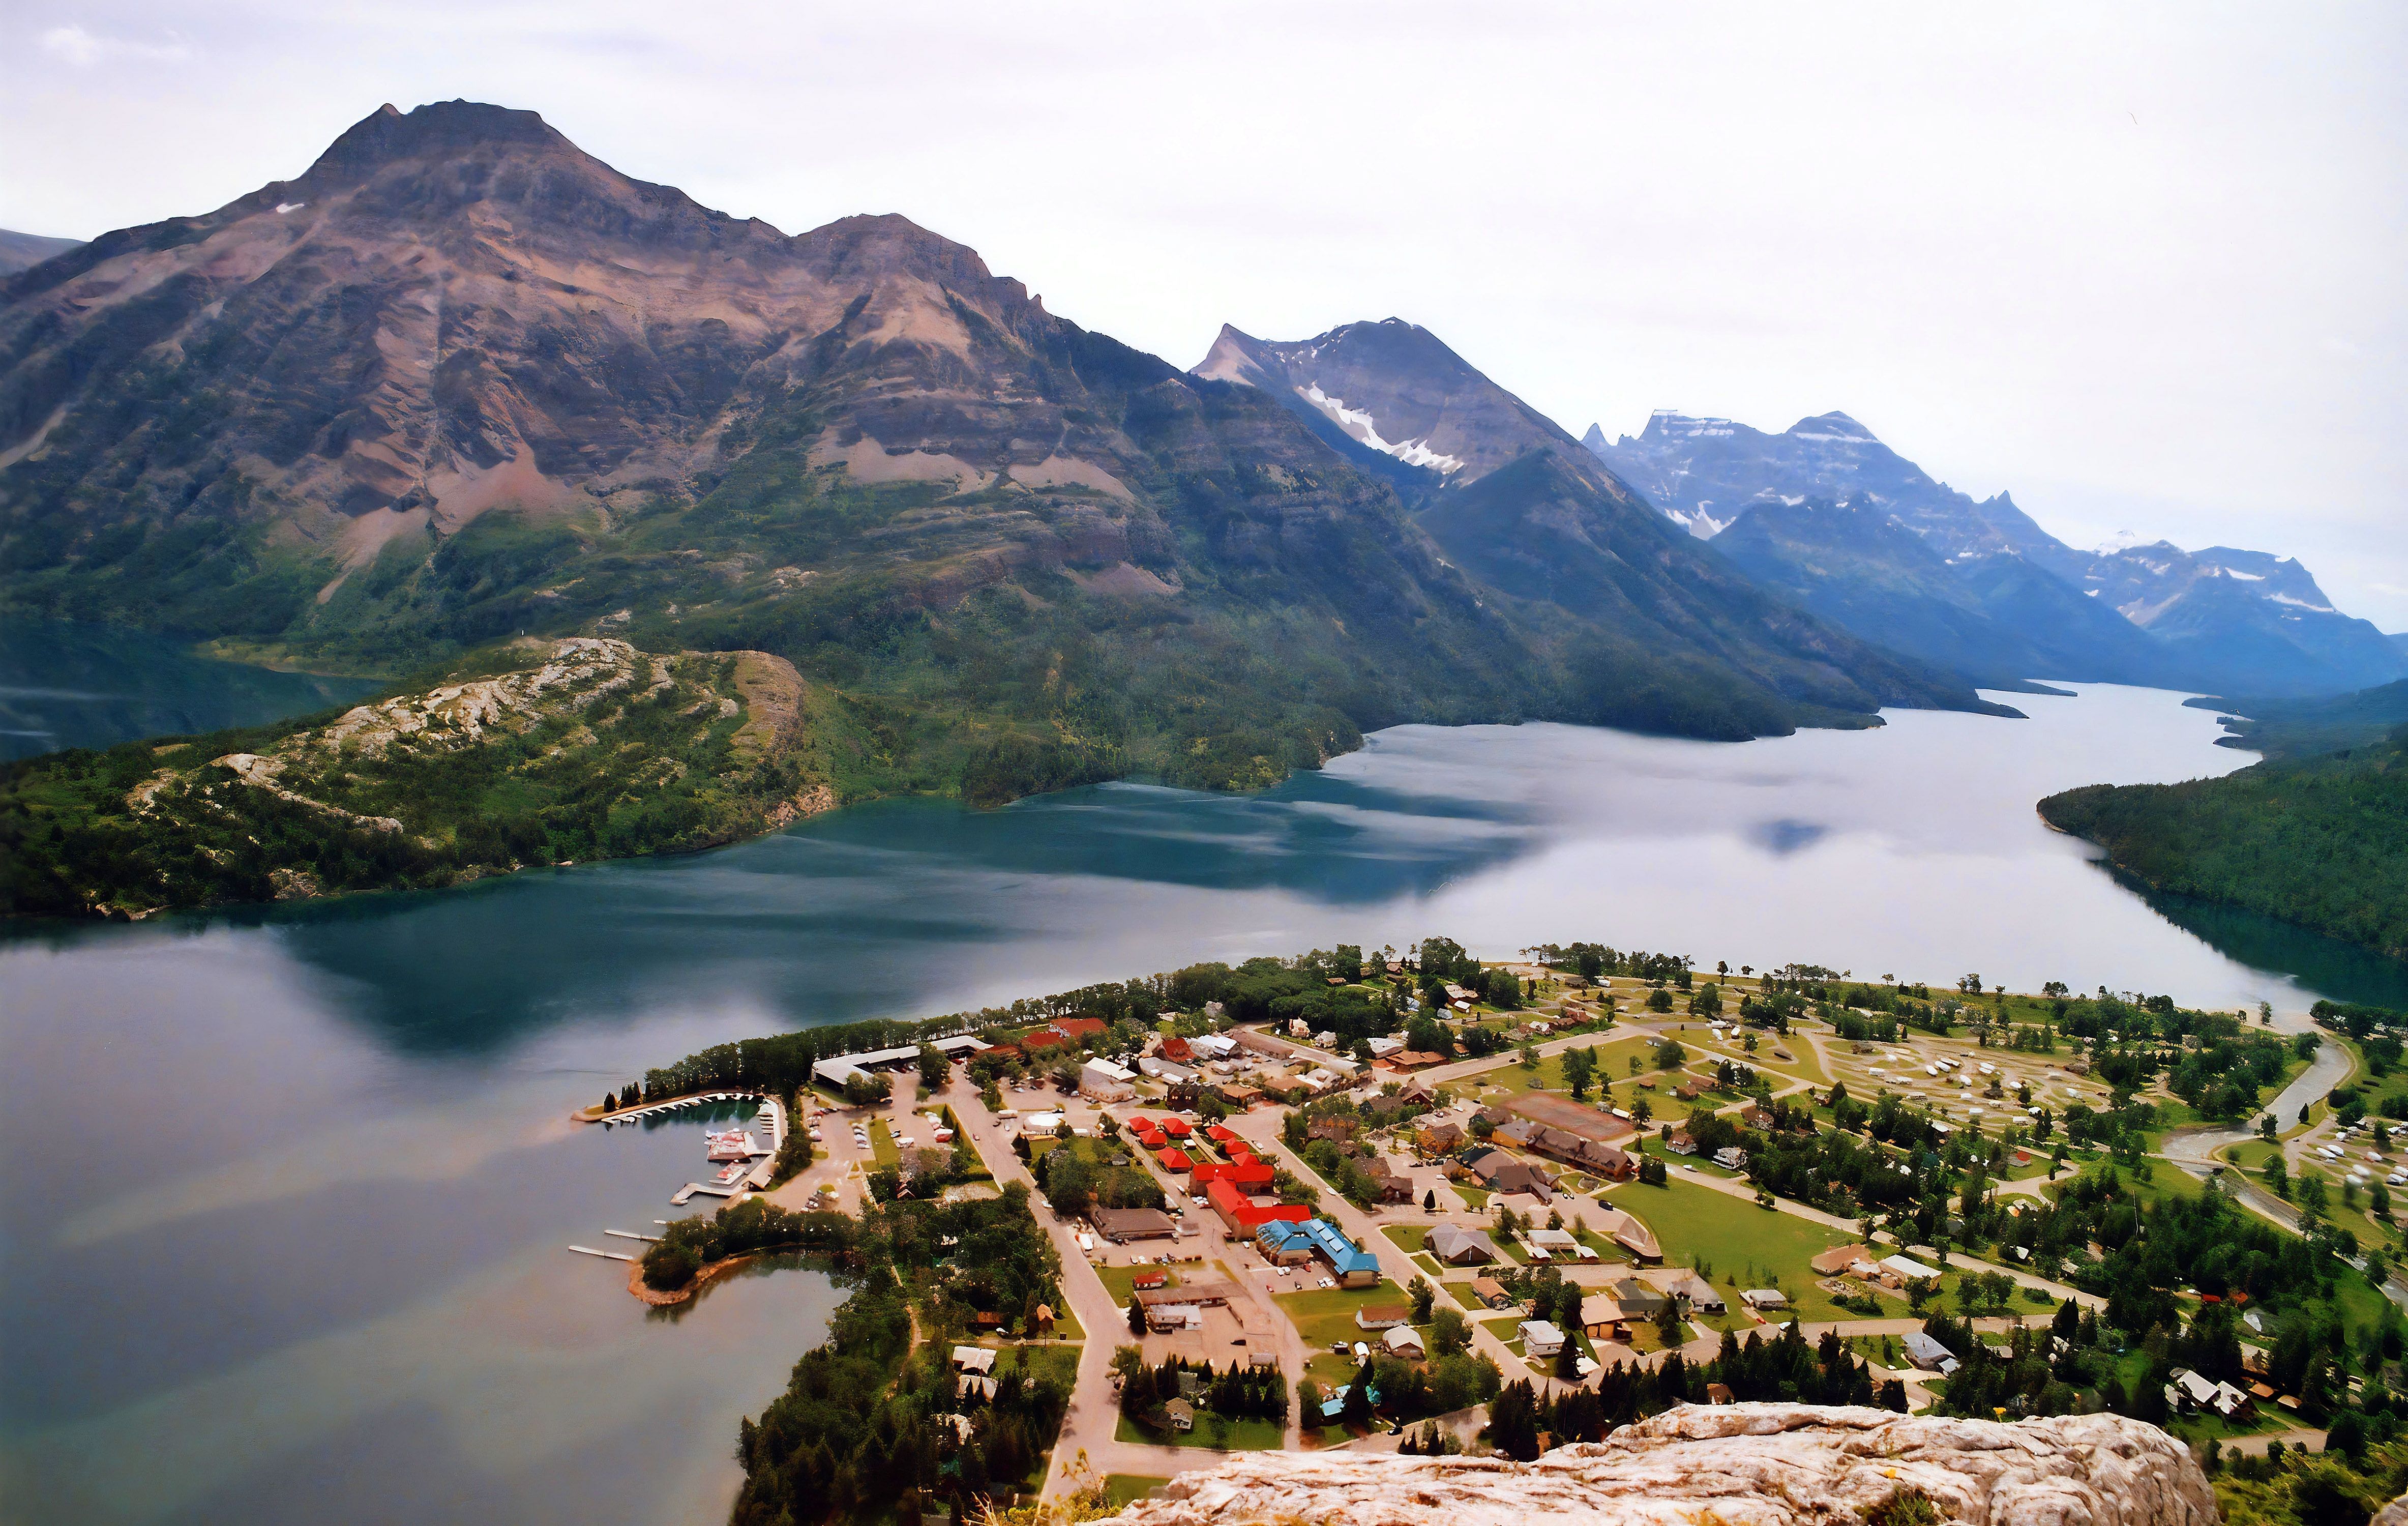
<point>460,382</point>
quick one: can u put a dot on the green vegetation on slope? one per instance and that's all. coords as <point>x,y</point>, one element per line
<point>532,753</point>
<point>2322,841</point>
<point>2283,729</point>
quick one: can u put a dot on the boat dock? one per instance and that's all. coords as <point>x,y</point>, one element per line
<point>630,1235</point>
<point>769,1136</point>
<point>606,1255</point>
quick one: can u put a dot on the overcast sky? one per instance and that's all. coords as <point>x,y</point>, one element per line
<point>2148,270</point>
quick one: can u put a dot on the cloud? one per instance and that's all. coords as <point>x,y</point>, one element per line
<point>83,49</point>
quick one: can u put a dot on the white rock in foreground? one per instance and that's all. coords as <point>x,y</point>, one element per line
<point>1729,1465</point>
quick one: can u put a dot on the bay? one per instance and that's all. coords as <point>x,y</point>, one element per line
<point>289,1190</point>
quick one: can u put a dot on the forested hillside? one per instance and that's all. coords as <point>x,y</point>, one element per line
<point>2322,841</point>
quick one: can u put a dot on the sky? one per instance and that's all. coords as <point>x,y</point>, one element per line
<point>2146,267</point>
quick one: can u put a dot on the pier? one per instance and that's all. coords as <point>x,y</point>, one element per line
<point>630,1235</point>
<point>606,1255</point>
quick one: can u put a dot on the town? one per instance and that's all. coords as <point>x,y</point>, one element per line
<point>1424,1203</point>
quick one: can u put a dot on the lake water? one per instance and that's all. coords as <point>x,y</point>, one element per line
<point>287,1193</point>
<point>69,685</point>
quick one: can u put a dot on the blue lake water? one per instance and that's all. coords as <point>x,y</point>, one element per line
<point>289,1192</point>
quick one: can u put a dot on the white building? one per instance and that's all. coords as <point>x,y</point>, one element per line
<point>1101,1080</point>
<point>1541,1338</point>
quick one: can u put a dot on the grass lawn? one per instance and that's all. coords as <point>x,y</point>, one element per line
<point>1246,1436</point>
<point>1120,1280</point>
<point>1065,1324</point>
<point>1123,1489</point>
<point>1700,1227</point>
<point>882,1143</point>
<point>1475,1198</point>
<point>1409,1237</point>
<point>1327,1313</point>
<point>1059,1363</point>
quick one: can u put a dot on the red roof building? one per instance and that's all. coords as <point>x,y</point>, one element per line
<point>1148,1139</point>
<point>1042,1039</point>
<point>1243,1216</point>
<point>1221,1133</point>
<point>1252,1175</point>
<point>1140,1124</point>
<point>1077,1028</point>
<point>1175,1161</point>
<point>1175,1127</point>
<point>1174,1049</point>
<point>1150,1279</point>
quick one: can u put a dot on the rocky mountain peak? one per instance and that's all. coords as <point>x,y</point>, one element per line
<point>442,130</point>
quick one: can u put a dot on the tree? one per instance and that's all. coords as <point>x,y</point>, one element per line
<point>1580,1069</point>
<point>1424,1296</point>
<point>1429,1201</point>
<point>933,1067</point>
<point>1136,1316</point>
<point>1660,999</point>
<point>1513,1421</point>
<point>1450,1333</point>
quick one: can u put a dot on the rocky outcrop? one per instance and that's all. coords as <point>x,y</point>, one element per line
<point>1733,1465</point>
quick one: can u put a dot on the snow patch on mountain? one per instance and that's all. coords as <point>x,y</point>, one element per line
<point>1361,426</point>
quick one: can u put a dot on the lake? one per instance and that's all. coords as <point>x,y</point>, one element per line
<point>289,1192</point>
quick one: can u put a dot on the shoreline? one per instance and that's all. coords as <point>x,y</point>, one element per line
<point>661,1298</point>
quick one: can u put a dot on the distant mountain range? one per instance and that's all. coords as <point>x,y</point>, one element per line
<point>460,382</point>
<point>19,251</point>
<point>1987,593</point>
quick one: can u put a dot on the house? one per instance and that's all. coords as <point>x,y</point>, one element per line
<point>1601,1317</point>
<point>1282,1243</point>
<point>1395,1185</point>
<point>1383,1046</point>
<point>1761,1299</point>
<point>1759,1117</point>
<point>1688,1091</point>
<point>1453,1245</point>
<point>1502,1173</point>
<point>1176,1050</point>
<point>1169,1316</point>
<point>1383,1316</point>
<point>1731,1158</point>
<point>1541,1338</point>
<point>1404,1341</point>
<point>1104,1080</point>
<point>1257,1043</point>
<point>1842,1259</point>
<point>1561,1243</point>
<point>1417,1094</point>
<point>1075,1030</point>
<point>1122,1225</point>
<point>1143,1280</point>
<point>1238,1097</point>
<point>1699,1293</point>
<point>1181,1415</point>
<point>1169,1072</point>
<point>1632,1234</point>
<point>1680,1142</point>
<point>1412,1059</point>
<point>1639,1299</point>
<point>1589,1155</point>
<point>1044,1319</point>
<point>1210,1046</point>
<point>977,1360</point>
<point>1929,1355</point>
<point>1178,1127</point>
<point>1490,1292</point>
<point>1336,1127</point>
<point>1438,1139</point>
<point>1174,1160</point>
<point>1042,1042</point>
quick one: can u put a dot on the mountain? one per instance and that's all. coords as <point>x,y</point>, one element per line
<point>1996,617</point>
<point>1514,501</point>
<point>459,381</point>
<point>2258,623</point>
<point>2001,600</point>
<point>20,250</point>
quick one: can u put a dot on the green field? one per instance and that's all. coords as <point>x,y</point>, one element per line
<point>882,1143</point>
<point>1123,1488</point>
<point>1760,1248</point>
<point>1247,1435</point>
<point>1326,1314</point>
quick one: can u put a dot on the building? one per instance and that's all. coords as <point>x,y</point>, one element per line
<point>1242,1216</point>
<point>1632,1234</point>
<point>1383,1046</point>
<point>1491,1293</point>
<point>1541,1338</point>
<point>1077,1029</point>
<point>1122,1225</point>
<point>1411,1060</point>
<point>1383,1316</point>
<point>839,1069</point>
<point>1761,1299</point>
<point>1929,1355</point>
<point>1247,1175</point>
<point>1181,1414</point>
<point>1403,1340</point>
<point>1175,1049</point>
<point>1208,1046</point>
<point>1352,1265</point>
<point>1601,1317</point>
<point>1502,1173</point>
<point>1237,1097</point>
<point>1146,1280</point>
<point>1680,1142</point>
<point>1844,1258</point>
<point>1908,1268</point>
<point>1731,1158</point>
<point>1610,1161</point>
<point>1436,1139</point>
<point>1103,1081</point>
<point>1169,1072</point>
<point>1560,1242</point>
<point>1174,1160</point>
<point>1256,1042</point>
<point>1453,1245</point>
<point>976,1360</point>
<point>1639,1299</point>
<point>1700,1294</point>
